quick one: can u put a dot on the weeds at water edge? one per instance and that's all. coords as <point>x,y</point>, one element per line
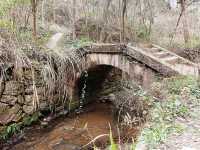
<point>15,128</point>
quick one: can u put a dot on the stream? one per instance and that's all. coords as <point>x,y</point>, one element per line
<point>76,131</point>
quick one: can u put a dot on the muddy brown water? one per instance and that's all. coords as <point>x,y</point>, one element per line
<point>75,131</point>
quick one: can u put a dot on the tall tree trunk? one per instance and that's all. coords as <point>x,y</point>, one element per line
<point>101,35</point>
<point>74,19</point>
<point>34,13</point>
<point>43,12</point>
<point>106,8</point>
<point>120,18</point>
<point>185,22</point>
<point>124,7</point>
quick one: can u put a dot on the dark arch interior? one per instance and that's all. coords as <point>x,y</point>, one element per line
<point>101,80</point>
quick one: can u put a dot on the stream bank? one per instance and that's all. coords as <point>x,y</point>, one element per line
<point>73,132</point>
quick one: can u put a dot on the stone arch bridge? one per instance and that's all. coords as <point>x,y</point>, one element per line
<point>141,64</point>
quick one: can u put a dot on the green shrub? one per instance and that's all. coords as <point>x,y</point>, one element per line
<point>6,5</point>
<point>143,33</point>
<point>17,127</point>
<point>81,42</point>
<point>175,84</point>
<point>193,42</point>
<point>162,123</point>
<point>6,24</point>
<point>10,130</point>
<point>164,113</point>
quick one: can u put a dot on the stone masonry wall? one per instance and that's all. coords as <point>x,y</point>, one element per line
<point>18,93</point>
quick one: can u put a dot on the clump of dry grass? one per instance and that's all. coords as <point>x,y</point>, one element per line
<point>59,72</point>
<point>54,70</point>
<point>131,104</point>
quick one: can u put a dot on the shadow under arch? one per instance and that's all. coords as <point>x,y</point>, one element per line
<point>98,76</point>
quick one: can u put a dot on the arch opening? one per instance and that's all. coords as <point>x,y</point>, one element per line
<point>98,82</point>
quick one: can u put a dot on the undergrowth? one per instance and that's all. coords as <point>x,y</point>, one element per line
<point>15,128</point>
<point>165,111</point>
<point>81,42</point>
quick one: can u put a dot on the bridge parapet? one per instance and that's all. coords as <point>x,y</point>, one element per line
<point>157,58</point>
<point>106,48</point>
